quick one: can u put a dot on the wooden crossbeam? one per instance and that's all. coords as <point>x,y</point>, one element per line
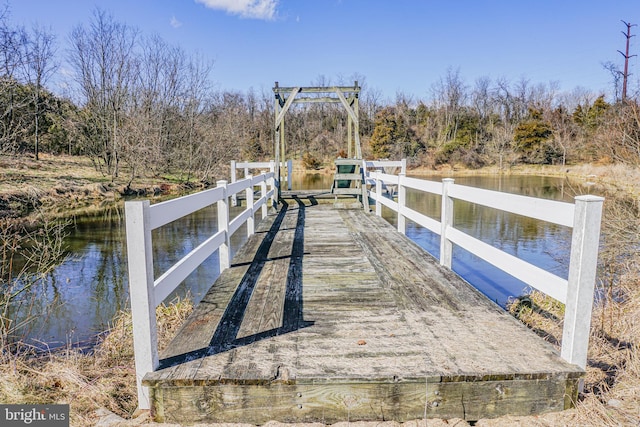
<point>323,99</point>
<point>346,104</point>
<point>286,106</point>
<point>319,89</point>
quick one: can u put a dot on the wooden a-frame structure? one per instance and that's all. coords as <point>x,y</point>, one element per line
<point>345,95</point>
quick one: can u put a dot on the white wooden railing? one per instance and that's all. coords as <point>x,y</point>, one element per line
<point>147,292</point>
<point>381,165</point>
<point>248,166</point>
<point>584,217</point>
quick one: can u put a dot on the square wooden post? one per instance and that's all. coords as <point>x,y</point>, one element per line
<point>224,252</point>
<point>141,291</point>
<point>249,196</point>
<point>263,192</point>
<point>273,183</point>
<point>234,178</point>
<point>378,193</point>
<point>446,221</point>
<point>585,241</point>
<point>402,201</point>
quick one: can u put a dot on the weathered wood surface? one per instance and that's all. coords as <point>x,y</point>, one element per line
<point>329,315</point>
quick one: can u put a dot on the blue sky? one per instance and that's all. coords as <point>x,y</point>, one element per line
<point>397,45</point>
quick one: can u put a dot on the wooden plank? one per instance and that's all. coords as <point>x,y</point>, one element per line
<point>318,89</point>
<point>348,176</point>
<point>350,191</point>
<point>323,99</point>
<point>356,162</point>
<point>330,403</point>
<point>264,311</point>
<point>280,117</point>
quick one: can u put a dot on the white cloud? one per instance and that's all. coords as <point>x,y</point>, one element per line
<point>255,9</point>
<point>175,23</point>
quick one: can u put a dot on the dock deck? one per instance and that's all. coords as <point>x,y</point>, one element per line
<point>332,315</point>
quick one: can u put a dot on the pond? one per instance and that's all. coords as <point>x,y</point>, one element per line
<point>82,295</point>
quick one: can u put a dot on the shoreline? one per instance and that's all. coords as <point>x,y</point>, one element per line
<point>59,185</point>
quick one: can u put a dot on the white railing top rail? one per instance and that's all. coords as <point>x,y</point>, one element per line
<point>257,165</point>
<point>556,212</point>
<point>553,211</point>
<point>247,166</point>
<point>385,163</point>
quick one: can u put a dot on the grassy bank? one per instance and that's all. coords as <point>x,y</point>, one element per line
<point>57,185</point>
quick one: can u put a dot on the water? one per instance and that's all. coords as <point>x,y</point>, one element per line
<point>82,295</point>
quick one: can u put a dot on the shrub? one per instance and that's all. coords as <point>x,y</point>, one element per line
<point>309,161</point>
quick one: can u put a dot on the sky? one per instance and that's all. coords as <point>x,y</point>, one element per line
<point>394,46</point>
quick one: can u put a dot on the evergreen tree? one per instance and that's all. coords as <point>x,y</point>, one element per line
<point>384,134</point>
<point>532,138</point>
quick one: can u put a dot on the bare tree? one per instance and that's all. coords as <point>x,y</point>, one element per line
<point>105,62</point>
<point>13,96</point>
<point>616,78</point>
<point>450,96</point>
<point>38,67</point>
<point>481,99</point>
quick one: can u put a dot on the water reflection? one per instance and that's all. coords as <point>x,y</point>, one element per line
<point>311,181</point>
<point>91,284</point>
<point>82,295</point>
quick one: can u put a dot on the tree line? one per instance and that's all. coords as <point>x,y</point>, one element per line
<point>138,105</point>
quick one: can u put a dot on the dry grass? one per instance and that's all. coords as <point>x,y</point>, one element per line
<point>61,184</point>
<point>87,381</point>
<point>612,385</point>
<point>44,174</point>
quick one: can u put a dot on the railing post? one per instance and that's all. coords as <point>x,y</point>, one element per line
<point>224,251</point>
<point>446,221</point>
<point>141,290</point>
<point>402,202</point>
<point>403,167</point>
<point>582,274</point>
<point>249,196</point>
<point>289,177</point>
<point>274,185</point>
<point>234,178</point>
<point>378,193</point>
<point>365,192</point>
<point>263,192</point>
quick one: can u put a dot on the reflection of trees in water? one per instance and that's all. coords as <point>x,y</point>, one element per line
<point>312,181</point>
<point>26,257</point>
<point>81,294</point>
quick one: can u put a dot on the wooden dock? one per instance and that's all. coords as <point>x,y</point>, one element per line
<point>331,315</point>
